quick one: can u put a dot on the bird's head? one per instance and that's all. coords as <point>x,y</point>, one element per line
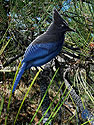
<point>60,22</point>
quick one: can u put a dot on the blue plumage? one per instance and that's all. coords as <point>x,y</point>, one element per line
<point>45,47</point>
<point>19,76</point>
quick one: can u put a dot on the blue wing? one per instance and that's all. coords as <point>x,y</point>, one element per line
<point>40,50</point>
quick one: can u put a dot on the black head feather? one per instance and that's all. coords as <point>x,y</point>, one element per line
<point>57,18</point>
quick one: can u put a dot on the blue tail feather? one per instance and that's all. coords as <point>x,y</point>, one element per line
<point>19,76</point>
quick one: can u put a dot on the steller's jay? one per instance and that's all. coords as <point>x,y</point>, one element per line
<point>46,46</point>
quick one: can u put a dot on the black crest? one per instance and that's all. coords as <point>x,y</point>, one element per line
<point>57,18</point>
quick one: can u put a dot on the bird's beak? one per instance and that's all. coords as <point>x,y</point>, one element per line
<point>69,29</point>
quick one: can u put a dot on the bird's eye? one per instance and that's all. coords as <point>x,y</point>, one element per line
<point>62,25</point>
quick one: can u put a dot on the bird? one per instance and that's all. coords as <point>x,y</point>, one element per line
<point>45,47</point>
